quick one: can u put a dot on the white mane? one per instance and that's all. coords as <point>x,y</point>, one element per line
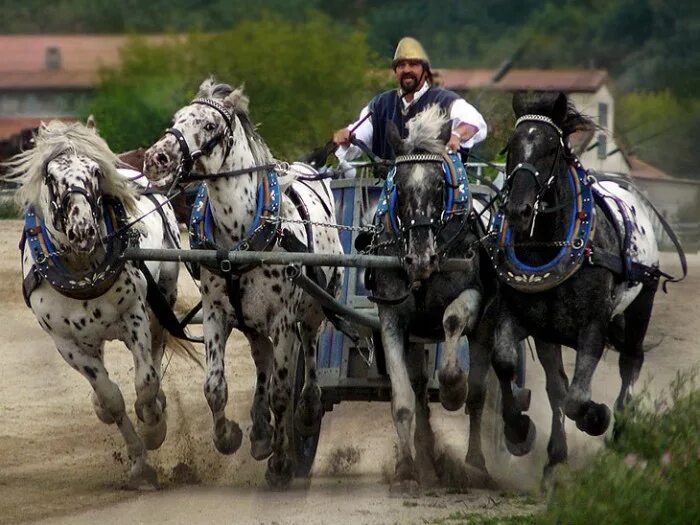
<point>424,130</point>
<point>55,138</point>
<point>238,102</point>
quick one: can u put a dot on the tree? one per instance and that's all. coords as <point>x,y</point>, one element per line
<point>304,80</point>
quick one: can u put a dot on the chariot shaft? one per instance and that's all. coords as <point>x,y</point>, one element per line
<point>284,258</point>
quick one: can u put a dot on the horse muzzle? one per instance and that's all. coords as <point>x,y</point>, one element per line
<point>160,166</point>
<point>420,267</point>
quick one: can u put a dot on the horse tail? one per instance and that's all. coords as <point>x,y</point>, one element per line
<point>182,348</point>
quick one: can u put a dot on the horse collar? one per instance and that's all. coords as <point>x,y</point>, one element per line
<point>570,257</point>
<point>48,264</point>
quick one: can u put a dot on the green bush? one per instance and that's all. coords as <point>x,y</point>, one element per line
<point>649,475</point>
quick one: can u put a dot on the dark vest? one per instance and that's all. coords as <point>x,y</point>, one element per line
<point>387,106</point>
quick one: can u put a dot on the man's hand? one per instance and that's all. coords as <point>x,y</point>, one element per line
<point>460,134</point>
<point>342,137</point>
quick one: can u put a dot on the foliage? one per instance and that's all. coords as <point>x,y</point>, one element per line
<point>661,128</point>
<point>649,475</point>
<point>304,79</point>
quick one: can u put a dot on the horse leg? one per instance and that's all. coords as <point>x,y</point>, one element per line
<point>479,362</point>
<point>149,410</point>
<point>309,411</point>
<point>402,397</point>
<point>261,431</point>
<point>424,438</point>
<point>461,314</point>
<point>520,431</point>
<point>637,317</point>
<point>557,384</point>
<point>111,402</point>
<point>227,433</point>
<point>591,417</point>
<point>280,466</point>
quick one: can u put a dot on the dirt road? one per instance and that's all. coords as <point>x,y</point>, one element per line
<point>59,464</point>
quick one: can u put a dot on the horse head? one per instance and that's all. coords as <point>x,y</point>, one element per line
<point>203,133</point>
<point>420,188</point>
<point>537,153</point>
<point>64,178</point>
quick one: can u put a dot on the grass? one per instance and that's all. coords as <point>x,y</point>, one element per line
<point>9,210</point>
<point>472,518</point>
<point>651,474</point>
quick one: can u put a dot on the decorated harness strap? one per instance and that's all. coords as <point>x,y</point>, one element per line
<point>262,232</point>
<point>48,264</point>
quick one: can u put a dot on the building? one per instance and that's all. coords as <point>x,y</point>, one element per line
<point>586,88</point>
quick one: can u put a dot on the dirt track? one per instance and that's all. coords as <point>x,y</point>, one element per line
<point>58,464</point>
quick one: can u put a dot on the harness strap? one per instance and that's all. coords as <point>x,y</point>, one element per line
<point>161,307</point>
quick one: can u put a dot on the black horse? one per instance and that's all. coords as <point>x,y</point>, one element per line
<point>426,214</point>
<point>578,265</point>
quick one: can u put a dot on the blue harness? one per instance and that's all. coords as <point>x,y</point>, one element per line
<point>457,195</point>
<point>49,265</point>
<point>262,232</point>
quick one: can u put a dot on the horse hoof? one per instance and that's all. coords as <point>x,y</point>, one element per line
<point>144,477</point>
<point>227,436</point>
<point>405,487</point>
<point>520,437</point>
<point>453,388</point>
<point>478,477</point>
<point>309,413</point>
<point>522,397</point>
<point>153,436</point>
<point>279,473</point>
<point>260,448</point>
<point>595,418</point>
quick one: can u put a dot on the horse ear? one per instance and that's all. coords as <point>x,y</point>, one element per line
<point>445,132</point>
<point>561,107</point>
<point>394,137</point>
<point>237,100</point>
<point>519,103</point>
<point>91,123</point>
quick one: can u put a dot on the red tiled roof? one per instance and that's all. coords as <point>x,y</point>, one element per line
<point>13,125</point>
<point>576,80</point>
<point>642,170</point>
<point>23,59</point>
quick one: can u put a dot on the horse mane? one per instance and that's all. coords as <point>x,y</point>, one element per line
<point>424,130</point>
<point>210,88</point>
<point>543,103</point>
<point>55,138</point>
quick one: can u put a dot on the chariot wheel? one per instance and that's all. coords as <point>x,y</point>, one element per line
<point>303,447</point>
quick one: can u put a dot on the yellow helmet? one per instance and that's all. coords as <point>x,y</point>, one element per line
<point>410,49</point>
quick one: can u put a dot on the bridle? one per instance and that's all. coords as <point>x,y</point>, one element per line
<point>58,204</point>
<point>189,157</point>
<point>532,171</point>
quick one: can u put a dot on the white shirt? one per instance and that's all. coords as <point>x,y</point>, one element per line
<point>461,112</point>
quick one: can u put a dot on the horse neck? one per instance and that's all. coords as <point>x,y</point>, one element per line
<point>233,199</point>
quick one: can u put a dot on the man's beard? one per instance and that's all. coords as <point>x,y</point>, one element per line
<point>409,82</point>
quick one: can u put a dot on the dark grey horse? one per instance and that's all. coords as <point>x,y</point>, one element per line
<point>589,298</point>
<point>420,299</point>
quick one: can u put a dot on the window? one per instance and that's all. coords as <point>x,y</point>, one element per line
<point>602,146</point>
<point>603,114</point>
<point>53,57</point>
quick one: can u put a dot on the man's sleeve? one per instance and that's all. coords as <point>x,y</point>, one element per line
<point>364,132</point>
<point>462,112</point>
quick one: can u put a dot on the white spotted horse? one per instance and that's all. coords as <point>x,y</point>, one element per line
<point>80,288</point>
<point>425,214</point>
<point>246,204</point>
<point>578,264</point>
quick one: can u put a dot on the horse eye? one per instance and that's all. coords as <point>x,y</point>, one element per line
<point>97,172</point>
<point>210,126</point>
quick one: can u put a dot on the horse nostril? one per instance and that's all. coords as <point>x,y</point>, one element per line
<point>71,235</point>
<point>91,231</point>
<point>162,159</point>
<point>526,211</point>
<point>408,259</point>
<point>433,259</point>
